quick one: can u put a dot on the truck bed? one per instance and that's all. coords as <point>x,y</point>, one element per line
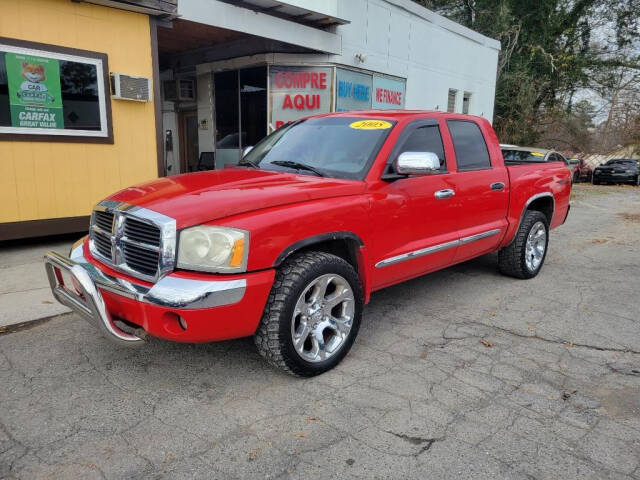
<point>528,179</point>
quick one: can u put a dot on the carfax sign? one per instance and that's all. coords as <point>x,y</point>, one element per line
<point>34,91</point>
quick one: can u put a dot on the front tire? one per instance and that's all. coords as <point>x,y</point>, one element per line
<point>525,255</point>
<point>312,314</point>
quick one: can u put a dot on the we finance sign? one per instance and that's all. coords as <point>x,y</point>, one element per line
<point>388,93</point>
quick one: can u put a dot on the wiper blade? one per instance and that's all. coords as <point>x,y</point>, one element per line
<point>298,165</point>
<point>247,163</point>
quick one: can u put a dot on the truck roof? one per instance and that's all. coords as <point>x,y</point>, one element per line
<point>393,114</point>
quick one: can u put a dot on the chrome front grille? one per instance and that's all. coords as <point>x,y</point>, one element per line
<point>104,220</point>
<point>142,232</point>
<point>132,239</point>
<point>103,244</point>
<point>140,259</point>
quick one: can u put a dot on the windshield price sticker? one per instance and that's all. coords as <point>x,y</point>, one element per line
<point>370,125</point>
<point>537,154</point>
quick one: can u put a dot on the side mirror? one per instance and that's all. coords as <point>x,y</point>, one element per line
<point>417,163</point>
<point>246,150</point>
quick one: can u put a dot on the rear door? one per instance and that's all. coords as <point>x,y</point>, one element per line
<point>414,226</point>
<point>481,190</point>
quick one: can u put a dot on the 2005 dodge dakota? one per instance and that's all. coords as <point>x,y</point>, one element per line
<point>289,245</point>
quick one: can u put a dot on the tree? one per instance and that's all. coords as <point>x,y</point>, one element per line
<point>553,51</point>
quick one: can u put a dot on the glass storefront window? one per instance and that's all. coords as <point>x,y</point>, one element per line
<point>80,104</point>
<point>52,93</point>
<point>253,105</point>
<point>241,112</point>
<point>227,135</point>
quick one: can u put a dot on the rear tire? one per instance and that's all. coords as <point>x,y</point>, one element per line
<point>303,331</point>
<point>525,255</point>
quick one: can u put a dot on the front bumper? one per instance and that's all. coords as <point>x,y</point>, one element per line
<point>615,177</point>
<point>181,306</point>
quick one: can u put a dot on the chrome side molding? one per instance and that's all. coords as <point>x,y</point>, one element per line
<point>479,236</point>
<point>436,248</point>
<point>417,253</point>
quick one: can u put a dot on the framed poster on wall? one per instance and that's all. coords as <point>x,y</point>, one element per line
<point>53,93</point>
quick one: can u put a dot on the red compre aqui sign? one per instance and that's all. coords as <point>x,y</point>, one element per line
<point>297,91</point>
<point>301,80</point>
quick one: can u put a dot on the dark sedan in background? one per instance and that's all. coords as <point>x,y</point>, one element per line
<point>619,170</point>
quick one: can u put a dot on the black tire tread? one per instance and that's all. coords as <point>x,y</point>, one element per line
<point>288,278</point>
<point>511,257</point>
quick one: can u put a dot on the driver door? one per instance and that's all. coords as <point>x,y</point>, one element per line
<point>414,225</point>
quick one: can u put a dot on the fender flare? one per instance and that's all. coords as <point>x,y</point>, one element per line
<point>529,202</point>
<point>323,237</point>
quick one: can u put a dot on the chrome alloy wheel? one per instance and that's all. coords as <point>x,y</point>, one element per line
<point>535,247</point>
<point>322,318</point>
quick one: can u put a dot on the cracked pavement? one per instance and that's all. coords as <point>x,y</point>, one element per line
<point>460,374</point>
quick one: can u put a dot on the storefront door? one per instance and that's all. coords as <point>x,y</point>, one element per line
<point>188,131</point>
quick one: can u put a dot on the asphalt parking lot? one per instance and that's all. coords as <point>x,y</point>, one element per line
<point>460,374</point>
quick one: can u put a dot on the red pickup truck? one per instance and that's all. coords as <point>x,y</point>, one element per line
<point>289,245</point>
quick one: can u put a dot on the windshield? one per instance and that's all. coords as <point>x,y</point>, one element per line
<point>341,147</point>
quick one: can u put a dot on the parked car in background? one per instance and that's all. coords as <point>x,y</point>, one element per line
<point>572,164</point>
<point>288,246</point>
<point>517,154</point>
<point>619,170</point>
<point>580,169</point>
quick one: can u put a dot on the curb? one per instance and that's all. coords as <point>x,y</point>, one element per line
<point>17,327</point>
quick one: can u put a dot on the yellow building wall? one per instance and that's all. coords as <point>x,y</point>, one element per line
<point>40,180</point>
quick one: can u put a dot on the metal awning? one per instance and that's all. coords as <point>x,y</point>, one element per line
<point>293,12</point>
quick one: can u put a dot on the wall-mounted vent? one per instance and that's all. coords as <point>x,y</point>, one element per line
<point>182,90</point>
<point>128,87</point>
<point>452,100</point>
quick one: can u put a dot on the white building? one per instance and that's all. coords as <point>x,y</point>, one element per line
<point>234,71</point>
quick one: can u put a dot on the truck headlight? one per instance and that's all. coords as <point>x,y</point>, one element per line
<point>213,249</point>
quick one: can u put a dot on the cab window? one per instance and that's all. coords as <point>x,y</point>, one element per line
<point>426,139</point>
<point>469,145</point>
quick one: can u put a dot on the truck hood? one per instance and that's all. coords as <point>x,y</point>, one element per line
<point>205,196</point>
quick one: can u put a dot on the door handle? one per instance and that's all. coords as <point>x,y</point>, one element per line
<point>497,186</point>
<point>446,193</point>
